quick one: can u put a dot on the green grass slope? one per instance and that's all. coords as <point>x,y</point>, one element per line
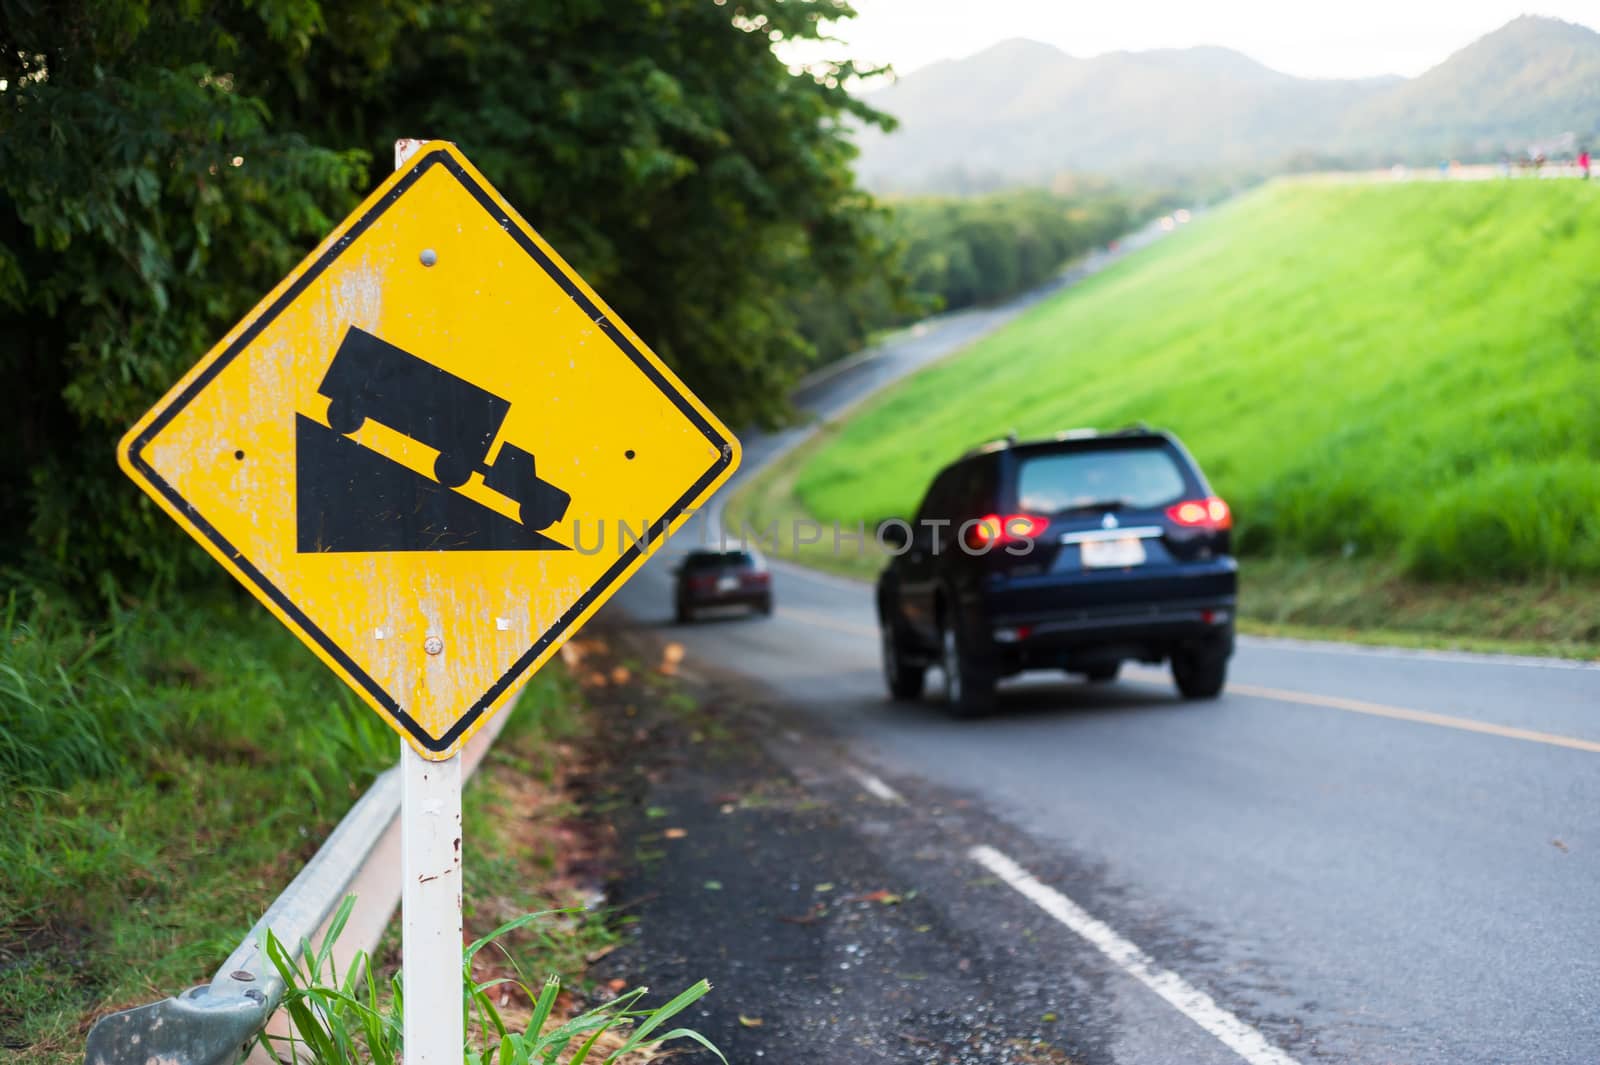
<point>1405,372</point>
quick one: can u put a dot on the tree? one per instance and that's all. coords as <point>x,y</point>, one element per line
<point>161,166</point>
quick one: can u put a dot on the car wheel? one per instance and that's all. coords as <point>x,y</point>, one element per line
<point>765,606</point>
<point>904,679</point>
<point>1199,675</point>
<point>968,682</point>
<point>1102,674</point>
<point>683,614</point>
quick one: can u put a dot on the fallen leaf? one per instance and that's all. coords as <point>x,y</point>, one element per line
<point>1558,845</point>
<point>823,887</point>
<point>888,898</point>
<point>620,675</point>
<point>809,917</point>
<point>675,833</point>
<point>713,885</point>
<point>751,1022</point>
<point>617,984</point>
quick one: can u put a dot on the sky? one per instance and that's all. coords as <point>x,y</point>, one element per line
<point>1310,38</point>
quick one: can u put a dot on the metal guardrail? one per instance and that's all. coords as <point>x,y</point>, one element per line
<point>215,1023</point>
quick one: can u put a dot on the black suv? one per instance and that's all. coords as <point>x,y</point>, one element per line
<point>1076,553</point>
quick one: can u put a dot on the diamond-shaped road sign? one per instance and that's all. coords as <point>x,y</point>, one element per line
<point>431,451</point>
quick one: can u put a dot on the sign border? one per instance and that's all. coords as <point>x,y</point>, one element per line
<point>436,153</point>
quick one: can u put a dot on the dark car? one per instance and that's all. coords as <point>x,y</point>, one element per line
<point>1076,553</point>
<point>722,578</point>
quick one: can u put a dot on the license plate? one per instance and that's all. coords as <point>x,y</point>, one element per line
<point>727,584</point>
<point>1113,554</point>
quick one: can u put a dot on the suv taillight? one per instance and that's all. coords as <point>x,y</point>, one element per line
<point>992,530</point>
<point>1212,514</point>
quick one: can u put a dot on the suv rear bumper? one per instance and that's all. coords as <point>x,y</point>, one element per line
<point>1074,640</point>
<point>1079,624</point>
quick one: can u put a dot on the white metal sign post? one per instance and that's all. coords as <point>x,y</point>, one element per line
<point>430,894</point>
<point>430,914</point>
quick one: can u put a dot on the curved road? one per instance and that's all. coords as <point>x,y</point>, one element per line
<point>1354,855</point>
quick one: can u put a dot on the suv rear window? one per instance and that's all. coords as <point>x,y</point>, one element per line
<point>1143,478</point>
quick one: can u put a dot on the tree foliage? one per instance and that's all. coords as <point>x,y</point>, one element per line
<point>967,251</point>
<point>163,164</point>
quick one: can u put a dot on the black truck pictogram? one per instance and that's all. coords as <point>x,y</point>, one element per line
<point>371,378</point>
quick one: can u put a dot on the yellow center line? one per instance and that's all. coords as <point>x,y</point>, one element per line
<point>1399,713</point>
<point>826,622</point>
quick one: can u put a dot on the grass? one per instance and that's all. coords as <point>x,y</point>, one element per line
<point>1404,374</point>
<point>163,772</point>
<point>524,833</point>
<point>1349,599</point>
<point>355,1018</point>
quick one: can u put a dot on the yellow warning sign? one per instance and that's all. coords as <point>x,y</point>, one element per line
<point>431,451</point>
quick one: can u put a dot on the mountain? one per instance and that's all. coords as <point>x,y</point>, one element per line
<point>1530,79</point>
<point>1023,111</point>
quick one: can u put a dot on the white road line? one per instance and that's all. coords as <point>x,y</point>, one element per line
<point>875,786</point>
<point>1188,1000</point>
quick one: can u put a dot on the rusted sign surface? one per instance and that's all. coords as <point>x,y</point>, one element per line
<point>431,451</point>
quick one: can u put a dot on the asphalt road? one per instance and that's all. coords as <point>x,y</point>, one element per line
<point>1354,855</point>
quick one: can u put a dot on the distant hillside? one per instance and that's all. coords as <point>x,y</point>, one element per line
<point>1531,79</point>
<point>1024,110</point>
<point>1401,370</point>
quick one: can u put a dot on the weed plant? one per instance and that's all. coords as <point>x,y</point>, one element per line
<point>355,1019</point>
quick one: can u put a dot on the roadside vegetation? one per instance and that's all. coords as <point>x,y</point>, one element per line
<point>163,166</point>
<point>353,1018</point>
<point>952,252</point>
<point>165,774</point>
<point>1403,373</point>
